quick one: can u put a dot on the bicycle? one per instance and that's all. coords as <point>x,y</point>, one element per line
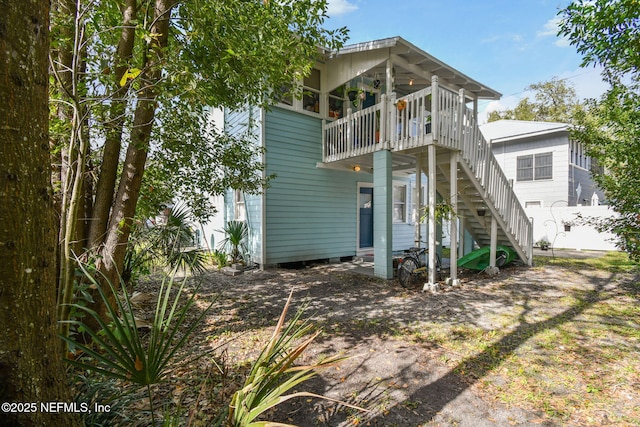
<point>414,265</point>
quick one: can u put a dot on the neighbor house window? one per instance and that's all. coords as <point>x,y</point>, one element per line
<point>239,210</point>
<point>525,168</point>
<point>311,95</point>
<point>399,203</point>
<point>534,167</point>
<point>579,155</point>
<point>543,166</point>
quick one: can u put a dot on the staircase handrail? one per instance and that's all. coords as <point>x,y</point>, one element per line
<point>454,118</point>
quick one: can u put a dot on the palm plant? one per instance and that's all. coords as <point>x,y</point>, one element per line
<point>237,233</point>
<point>274,373</point>
<point>118,350</point>
<point>170,244</point>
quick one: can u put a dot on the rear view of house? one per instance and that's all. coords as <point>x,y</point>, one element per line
<point>382,133</point>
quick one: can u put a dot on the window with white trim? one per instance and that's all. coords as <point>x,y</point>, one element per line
<point>416,214</point>
<point>311,94</point>
<point>239,207</point>
<point>399,203</point>
<point>534,167</point>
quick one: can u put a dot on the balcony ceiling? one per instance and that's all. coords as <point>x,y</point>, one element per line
<point>414,68</point>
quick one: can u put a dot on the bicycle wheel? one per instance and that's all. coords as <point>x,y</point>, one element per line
<point>406,274</point>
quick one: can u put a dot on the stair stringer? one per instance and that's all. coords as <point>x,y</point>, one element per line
<point>478,226</point>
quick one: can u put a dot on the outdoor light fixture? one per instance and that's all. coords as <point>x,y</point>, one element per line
<point>411,82</point>
<point>356,168</point>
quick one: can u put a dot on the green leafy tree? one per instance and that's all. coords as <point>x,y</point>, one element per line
<point>607,33</point>
<point>133,83</point>
<point>554,101</point>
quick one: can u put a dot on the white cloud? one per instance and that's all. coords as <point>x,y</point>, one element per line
<point>550,29</point>
<point>505,103</point>
<point>340,7</point>
<point>586,81</point>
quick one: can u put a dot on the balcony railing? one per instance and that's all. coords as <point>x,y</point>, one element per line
<point>397,124</point>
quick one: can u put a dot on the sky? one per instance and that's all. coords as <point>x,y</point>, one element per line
<point>504,44</point>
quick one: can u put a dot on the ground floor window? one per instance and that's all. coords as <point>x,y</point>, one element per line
<point>239,208</point>
<point>399,203</point>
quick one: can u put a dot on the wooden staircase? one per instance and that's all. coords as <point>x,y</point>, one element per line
<point>484,192</point>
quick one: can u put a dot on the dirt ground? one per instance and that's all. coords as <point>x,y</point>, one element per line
<point>401,377</point>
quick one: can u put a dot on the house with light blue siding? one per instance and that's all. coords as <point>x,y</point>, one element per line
<point>382,132</point>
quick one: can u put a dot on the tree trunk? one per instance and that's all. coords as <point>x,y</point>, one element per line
<point>31,367</point>
<point>128,193</point>
<point>70,79</point>
<point>113,143</point>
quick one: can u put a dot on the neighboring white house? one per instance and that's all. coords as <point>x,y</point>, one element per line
<point>546,166</point>
<point>551,176</point>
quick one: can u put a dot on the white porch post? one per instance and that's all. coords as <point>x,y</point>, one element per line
<point>382,218</point>
<point>494,241</point>
<point>461,245</point>
<point>389,77</point>
<point>431,177</point>
<point>418,191</point>
<point>453,196</point>
<point>432,214</point>
<point>494,245</point>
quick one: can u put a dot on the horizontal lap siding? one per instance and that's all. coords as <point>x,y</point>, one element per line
<point>310,211</point>
<point>548,190</point>
<point>236,124</point>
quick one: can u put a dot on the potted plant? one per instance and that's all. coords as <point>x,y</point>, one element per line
<point>354,94</point>
<point>567,225</point>
<point>543,244</point>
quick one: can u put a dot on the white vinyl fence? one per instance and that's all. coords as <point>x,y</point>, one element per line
<point>549,224</point>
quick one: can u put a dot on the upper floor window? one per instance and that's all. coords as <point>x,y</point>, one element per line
<point>285,96</point>
<point>336,102</point>
<point>534,167</point>
<point>311,94</point>
<point>579,155</point>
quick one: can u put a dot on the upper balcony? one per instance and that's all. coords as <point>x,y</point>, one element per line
<point>403,125</point>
